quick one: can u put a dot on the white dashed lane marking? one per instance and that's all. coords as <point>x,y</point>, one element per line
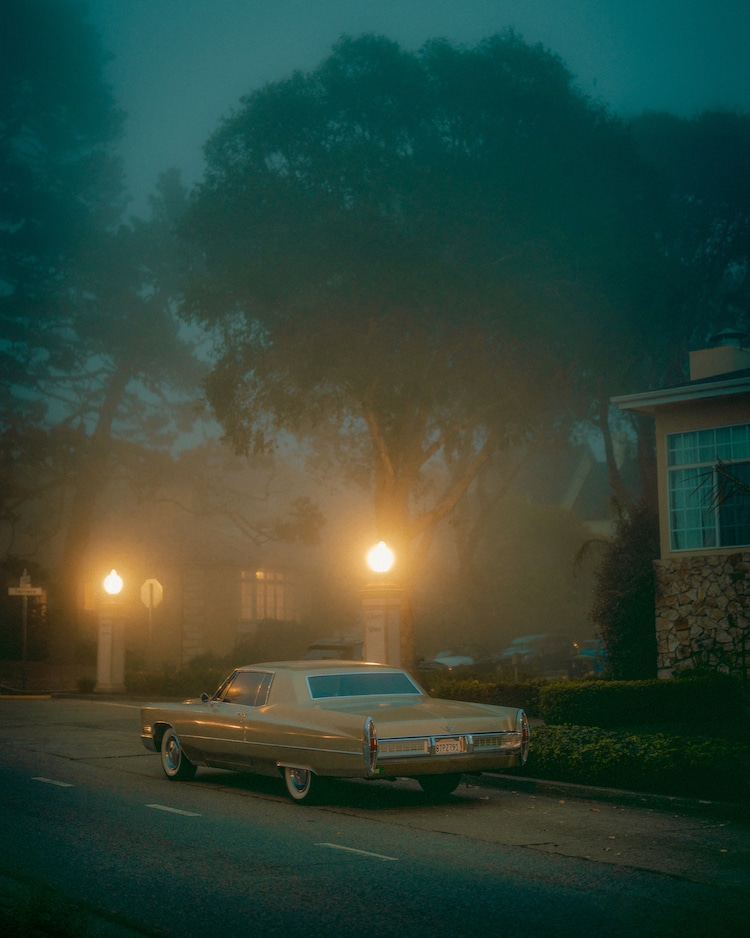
<point>163,807</point>
<point>364,853</point>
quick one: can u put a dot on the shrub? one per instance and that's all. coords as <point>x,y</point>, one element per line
<point>704,767</point>
<point>524,695</point>
<point>623,609</point>
<point>630,703</point>
<point>204,673</point>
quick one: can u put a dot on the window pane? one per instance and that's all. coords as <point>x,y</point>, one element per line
<point>707,446</point>
<point>724,443</point>
<point>709,501</point>
<point>734,504</point>
<point>691,515</point>
<point>740,437</point>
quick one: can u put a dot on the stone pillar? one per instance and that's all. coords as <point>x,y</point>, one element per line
<point>381,614</point>
<point>110,652</point>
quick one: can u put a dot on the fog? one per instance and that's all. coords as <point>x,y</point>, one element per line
<point>180,65</point>
<point>177,68</point>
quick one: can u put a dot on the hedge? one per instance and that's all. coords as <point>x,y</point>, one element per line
<point>710,768</point>
<point>646,736</point>
<point>526,695</point>
<point>698,699</point>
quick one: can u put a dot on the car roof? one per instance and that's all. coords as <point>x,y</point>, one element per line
<point>335,641</point>
<point>327,665</point>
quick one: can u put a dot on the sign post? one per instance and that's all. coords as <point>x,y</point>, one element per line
<point>24,589</point>
<point>152,594</point>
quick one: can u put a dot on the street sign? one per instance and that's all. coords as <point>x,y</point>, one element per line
<point>25,591</point>
<point>152,594</point>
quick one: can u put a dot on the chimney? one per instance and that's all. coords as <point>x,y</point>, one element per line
<point>728,352</point>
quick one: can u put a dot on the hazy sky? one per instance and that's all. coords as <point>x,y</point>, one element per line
<point>180,65</point>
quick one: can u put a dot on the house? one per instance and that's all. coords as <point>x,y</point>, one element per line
<point>703,465</point>
<point>216,589</point>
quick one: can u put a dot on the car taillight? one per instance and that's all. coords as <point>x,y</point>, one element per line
<point>522,726</point>
<point>370,747</point>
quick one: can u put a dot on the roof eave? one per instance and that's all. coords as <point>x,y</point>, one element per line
<point>647,402</point>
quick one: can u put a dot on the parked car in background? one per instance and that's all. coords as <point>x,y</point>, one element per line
<point>590,659</point>
<point>342,648</point>
<point>546,654</point>
<point>470,657</point>
<point>308,720</point>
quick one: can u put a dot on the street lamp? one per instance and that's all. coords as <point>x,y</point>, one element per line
<point>110,652</point>
<point>380,558</point>
<point>113,583</point>
<point>381,610</point>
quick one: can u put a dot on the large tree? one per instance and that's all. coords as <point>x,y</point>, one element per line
<point>704,228</point>
<point>91,353</point>
<point>416,253</point>
<point>701,224</point>
<point>59,181</point>
<point>125,389</point>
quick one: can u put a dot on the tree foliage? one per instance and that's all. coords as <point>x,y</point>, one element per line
<point>416,253</point>
<point>704,229</point>
<point>60,183</point>
<point>92,354</point>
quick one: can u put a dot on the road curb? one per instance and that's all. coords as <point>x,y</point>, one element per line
<point>619,796</point>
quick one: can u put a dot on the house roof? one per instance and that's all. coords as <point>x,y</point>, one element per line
<point>726,385</point>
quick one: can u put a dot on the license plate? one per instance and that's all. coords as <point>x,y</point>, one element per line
<point>445,747</point>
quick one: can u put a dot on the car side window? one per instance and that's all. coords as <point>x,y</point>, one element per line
<point>248,689</point>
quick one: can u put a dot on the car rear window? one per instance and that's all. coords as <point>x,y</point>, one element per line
<point>372,684</point>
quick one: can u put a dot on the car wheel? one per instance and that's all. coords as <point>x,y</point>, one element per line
<point>439,786</point>
<point>302,784</point>
<point>174,762</point>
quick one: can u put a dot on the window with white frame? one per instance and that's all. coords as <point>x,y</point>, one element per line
<point>709,488</point>
<point>265,594</point>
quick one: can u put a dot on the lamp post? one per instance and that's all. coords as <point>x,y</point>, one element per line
<point>381,610</point>
<point>110,653</point>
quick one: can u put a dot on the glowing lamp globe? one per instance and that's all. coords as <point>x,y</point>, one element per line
<point>380,558</point>
<point>113,583</point>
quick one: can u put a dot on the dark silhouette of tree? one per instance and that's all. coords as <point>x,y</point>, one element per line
<point>128,389</point>
<point>624,595</point>
<point>420,254</point>
<point>702,227</point>
<point>60,183</point>
<point>93,360</point>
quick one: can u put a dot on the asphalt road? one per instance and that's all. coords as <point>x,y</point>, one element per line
<point>86,813</point>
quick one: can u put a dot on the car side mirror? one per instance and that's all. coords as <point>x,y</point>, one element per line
<point>204,697</point>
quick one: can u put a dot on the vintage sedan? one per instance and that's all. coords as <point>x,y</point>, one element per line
<point>312,720</point>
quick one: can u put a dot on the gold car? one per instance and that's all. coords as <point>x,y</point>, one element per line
<point>309,720</point>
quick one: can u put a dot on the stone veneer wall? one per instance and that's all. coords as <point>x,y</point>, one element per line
<point>703,613</point>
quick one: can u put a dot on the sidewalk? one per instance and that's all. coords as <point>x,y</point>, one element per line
<point>43,677</point>
<point>635,799</point>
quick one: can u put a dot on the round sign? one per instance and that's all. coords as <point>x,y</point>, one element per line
<point>151,594</point>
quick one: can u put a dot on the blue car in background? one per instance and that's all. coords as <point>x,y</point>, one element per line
<point>590,660</point>
<point>545,655</point>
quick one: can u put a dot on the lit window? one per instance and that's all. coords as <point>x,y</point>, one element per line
<point>265,594</point>
<point>709,488</point>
